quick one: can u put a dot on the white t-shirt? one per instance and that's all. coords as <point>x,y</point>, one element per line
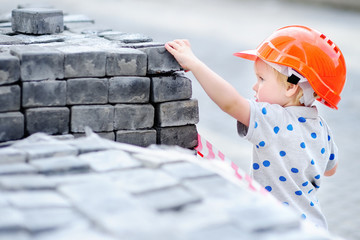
<point>293,147</point>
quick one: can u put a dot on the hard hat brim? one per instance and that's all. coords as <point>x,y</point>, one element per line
<point>248,54</point>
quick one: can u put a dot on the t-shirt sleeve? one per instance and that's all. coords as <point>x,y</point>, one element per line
<point>263,118</point>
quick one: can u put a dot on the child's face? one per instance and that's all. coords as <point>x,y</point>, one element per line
<point>268,88</point>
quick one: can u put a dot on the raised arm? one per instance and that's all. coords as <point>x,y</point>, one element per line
<point>219,90</point>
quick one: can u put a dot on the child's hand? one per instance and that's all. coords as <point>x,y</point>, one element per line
<point>181,50</point>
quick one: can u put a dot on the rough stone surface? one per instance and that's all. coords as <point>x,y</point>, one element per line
<point>129,37</point>
<point>170,88</point>
<point>183,136</point>
<point>26,182</point>
<point>177,113</point>
<point>143,180</point>
<point>42,149</point>
<point>37,21</point>
<point>44,94</point>
<point>106,135</point>
<point>126,62</point>
<point>142,138</point>
<point>37,199</point>
<point>87,91</point>
<point>16,168</point>
<point>9,69</point>
<point>110,160</point>
<point>11,126</point>
<point>99,118</point>
<point>161,202</point>
<point>58,165</point>
<point>11,155</point>
<point>39,63</point>
<point>184,170</point>
<point>51,120</point>
<point>129,90</point>
<point>11,96</point>
<point>83,61</point>
<point>133,116</point>
<point>8,40</point>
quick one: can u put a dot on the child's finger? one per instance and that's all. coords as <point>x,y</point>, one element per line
<point>187,43</point>
<point>181,42</point>
<point>169,48</point>
<point>174,45</point>
<point>178,41</point>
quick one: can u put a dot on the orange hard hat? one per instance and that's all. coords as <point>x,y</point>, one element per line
<point>311,54</point>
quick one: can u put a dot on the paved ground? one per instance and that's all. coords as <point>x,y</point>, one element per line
<point>219,28</point>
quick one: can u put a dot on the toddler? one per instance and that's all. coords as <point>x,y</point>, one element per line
<point>293,146</point>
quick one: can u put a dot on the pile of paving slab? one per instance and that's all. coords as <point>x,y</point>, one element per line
<point>61,73</point>
<point>56,188</point>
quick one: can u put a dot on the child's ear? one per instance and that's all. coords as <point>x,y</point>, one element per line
<point>291,90</point>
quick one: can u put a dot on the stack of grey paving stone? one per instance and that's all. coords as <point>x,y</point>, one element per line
<point>94,188</point>
<point>59,74</point>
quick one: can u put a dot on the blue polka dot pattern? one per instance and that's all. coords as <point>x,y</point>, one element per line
<point>299,193</point>
<point>268,188</point>
<point>276,129</point>
<point>264,111</point>
<point>286,203</point>
<point>262,144</point>
<point>303,216</point>
<point>305,184</point>
<point>313,135</point>
<point>322,150</point>
<point>311,204</point>
<point>321,123</point>
<point>317,176</point>
<point>290,127</point>
<point>282,153</point>
<point>256,166</point>
<point>282,178</point>
<point>295,170</point>
<point>329,138</point>
<point>316,186</point>
<point>332,157</point>
<point>302,119</point>
<point>312,162</point>
<point>256,124</point>
<point>310,191</point>
<point>302,145</point>
<point>266,163</point>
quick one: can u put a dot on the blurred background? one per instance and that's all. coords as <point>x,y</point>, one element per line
<point>217,29</point>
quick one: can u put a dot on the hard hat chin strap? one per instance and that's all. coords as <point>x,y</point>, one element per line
<point>308,93</point>
<point>296,78</point>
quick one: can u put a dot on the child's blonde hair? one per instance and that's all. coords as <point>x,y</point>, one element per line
<point>284,79</point>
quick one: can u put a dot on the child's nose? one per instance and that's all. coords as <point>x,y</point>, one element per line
<point>255,87</point>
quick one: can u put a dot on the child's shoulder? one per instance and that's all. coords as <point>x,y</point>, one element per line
<point>267,109</point>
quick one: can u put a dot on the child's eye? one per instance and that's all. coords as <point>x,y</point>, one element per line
<point>260,79</point>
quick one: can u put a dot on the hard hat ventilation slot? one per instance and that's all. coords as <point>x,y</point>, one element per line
<point>330,42</point>
<point>322,36</point>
